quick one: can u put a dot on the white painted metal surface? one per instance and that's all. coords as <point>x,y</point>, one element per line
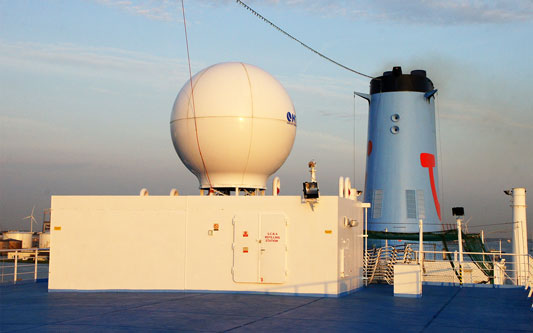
<point>520,233</point>
<point>246,247</point>
<point>192,243</point>
<point>244,128</point>
<point>273,248</point>
<point>276,186</point>
<point>341,187</point>
<point>347,187</point>
<point>407,280</point>
<point>460,239</point>
<point>421,241</point>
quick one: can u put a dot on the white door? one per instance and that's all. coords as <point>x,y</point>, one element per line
<point>273,251</point>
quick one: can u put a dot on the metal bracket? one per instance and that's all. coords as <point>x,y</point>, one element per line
<point>430,94</point>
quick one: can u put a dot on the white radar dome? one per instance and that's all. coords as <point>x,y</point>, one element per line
<point>237,130</point>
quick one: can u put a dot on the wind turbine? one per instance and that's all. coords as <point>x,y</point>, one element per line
<point>31,218</point>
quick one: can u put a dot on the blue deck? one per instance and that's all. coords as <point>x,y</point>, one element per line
<point>30,308</point>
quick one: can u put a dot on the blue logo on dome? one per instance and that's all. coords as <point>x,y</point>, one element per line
<point>291,118</point>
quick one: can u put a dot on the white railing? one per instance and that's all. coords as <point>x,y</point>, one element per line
<point>489,268</point>
<point>23,264</point>
<point>529,283</point>
<point>379,263</point>
<point>448,267</point>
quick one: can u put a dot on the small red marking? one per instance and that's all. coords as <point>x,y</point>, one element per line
<point>272,237</point>
<point>261,279</point>
<point>244,250</point>
<point>245,234</point>
<point>369,148</point>
<point>428,161</point>
<point>277,190</point>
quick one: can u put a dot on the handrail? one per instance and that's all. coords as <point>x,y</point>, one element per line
<point>493,268</point>
<point>378,254</point>
<point>478,253</point>
<point>379,262</point>
<point>33,253</point>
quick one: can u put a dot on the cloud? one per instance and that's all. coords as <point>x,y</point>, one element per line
<point>414,11</point>
<point>162,10</point>
<point>93,62</point>
<point>453,11</point>
<point>421,11</point>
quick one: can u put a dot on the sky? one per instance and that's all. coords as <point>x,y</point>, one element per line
<point>87,86</point>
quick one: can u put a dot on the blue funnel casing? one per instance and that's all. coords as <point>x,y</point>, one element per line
<point>401,166</point>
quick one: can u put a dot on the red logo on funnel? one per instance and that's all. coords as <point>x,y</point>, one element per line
<point>428,161</point>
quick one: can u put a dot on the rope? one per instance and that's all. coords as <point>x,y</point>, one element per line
<point>192,96</point>
<point>354,139</point>
<point>299,41</point>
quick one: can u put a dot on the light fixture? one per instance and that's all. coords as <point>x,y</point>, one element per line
<point>311,190</point>
<point>458,211</point>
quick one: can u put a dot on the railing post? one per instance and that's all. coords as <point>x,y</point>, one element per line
<point>366,245</point>
<point>15,268</point>
<point>35,273</point>
<point>421,241</point>
<point>460,241</point>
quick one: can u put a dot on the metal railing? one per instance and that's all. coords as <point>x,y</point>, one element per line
<point>476,267</point>
<point>449,267</point>
<point>378,263</point>
<point>18,265</point>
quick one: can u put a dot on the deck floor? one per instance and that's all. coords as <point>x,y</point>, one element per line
<point>30,308</point>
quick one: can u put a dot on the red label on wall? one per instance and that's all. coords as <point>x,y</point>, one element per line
<point>245,234</point>
<point>245,250</point>
<point>272,237</point>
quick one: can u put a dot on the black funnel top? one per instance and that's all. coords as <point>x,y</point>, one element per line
<point>395,80</point>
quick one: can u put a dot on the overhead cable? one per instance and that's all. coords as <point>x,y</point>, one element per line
<point>192,97</point>
<point>299,41</point>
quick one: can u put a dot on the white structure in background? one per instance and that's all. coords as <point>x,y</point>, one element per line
<point>24,236</point>
<point>519,233</point>
<point>237,130</point>
<point>44,240</point>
